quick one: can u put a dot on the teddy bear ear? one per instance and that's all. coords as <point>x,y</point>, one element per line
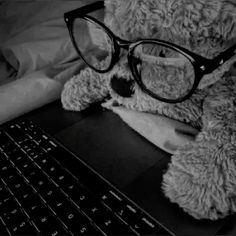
<point>111,6</point>
<point>118,18</point>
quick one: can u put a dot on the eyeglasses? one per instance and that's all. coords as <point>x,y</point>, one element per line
<point>163,70</point>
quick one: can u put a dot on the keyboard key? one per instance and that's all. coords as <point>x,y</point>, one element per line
<point>55,231</point>
<point>15,133</point>
<point>65,180</point>
<point>30,201</point>
<point>41,216</point>
<point>53,227</point>
<point>19,189</point>
<point>3,229</point>
<point>25,166</point>
<point>113,226</point>
<point>29,145</point>
<point>13,216</point>
<point>147,226</point>
<point>35,153</point>
<point>95,211</point>
<point>6,169</point>
<point>8,148</point>
<point>6,204</point>
<point>82,198</point>
<point>3,190</point>
<point>23,227</point>
<point>37,179</point>
<point>27,198</point>
<point>15,154</point>
<point>40,182</point>
<point>53,196</point>
<point>2,155</point>
<point>71,216</point>
<point>129,213</point>
<point>12,151</point>
<point>59,207</point>
<point>6,143</point>
<point>46,144</point>
<point>69,186</point>
<point>44,161</point>
<point>86,229</point>
<point>50,166</point>
<point>46,222</point>
<point>113,200</point>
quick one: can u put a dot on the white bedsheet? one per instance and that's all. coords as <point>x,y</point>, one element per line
<point>34,90</point>
<point>7,72</point>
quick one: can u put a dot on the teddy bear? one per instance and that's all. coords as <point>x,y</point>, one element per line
<point>201,176</point>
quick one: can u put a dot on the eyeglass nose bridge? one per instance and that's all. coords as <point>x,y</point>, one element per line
<point>122,44</point>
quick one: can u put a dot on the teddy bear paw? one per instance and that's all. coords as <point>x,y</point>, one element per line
<point>201,178</point>
<point>84,89</point>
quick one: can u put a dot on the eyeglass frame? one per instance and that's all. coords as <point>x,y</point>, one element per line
<point>201,65</point>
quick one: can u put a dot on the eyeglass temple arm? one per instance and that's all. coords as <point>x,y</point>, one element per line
<point>84,10</point>
<point>223,57</point>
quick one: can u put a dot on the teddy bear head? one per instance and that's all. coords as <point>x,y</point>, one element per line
<point>204,27</point>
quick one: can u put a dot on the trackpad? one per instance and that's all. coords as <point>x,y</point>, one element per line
<point>112,148</point>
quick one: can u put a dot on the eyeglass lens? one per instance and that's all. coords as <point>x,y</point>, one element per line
<point>93,43</point>
<point>164,71</point>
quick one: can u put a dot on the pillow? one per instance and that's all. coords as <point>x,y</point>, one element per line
<point>36,35</point>
<point>42,45</point>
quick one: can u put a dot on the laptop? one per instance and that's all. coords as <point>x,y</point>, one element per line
<point>86,173</point>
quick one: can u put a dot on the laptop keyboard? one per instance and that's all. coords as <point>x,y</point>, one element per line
<point>47,190</point>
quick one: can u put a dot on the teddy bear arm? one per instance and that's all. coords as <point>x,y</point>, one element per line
<point>84,89</point>
<point>201,177</point>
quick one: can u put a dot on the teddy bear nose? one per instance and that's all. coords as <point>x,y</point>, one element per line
<point>122,86</point>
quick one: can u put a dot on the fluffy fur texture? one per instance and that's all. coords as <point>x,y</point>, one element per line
<point>201,177</point>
